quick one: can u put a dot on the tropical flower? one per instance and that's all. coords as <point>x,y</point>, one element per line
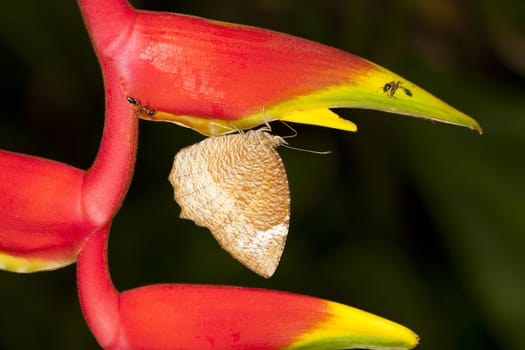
<point>215,78</point>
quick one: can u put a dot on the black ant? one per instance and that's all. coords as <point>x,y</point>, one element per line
<point>391,88</point>
<point>140,107</point>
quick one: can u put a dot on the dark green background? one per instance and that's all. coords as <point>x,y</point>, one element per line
<point>419,222</point>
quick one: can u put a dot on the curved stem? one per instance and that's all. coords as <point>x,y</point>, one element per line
<point>107,181</point>
<point>108,178</point>
<point>98,297</point>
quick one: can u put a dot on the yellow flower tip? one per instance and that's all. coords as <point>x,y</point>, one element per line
<point>347,327</point>
<point>320,117</point>
<point>477,127</point>
<point>27,265</point>
<point>214,127</point>
<point>383,90</point>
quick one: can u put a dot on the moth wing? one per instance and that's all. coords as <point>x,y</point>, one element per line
<point>237,187</point>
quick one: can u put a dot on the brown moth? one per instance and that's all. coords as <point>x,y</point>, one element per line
<point>236,186</point>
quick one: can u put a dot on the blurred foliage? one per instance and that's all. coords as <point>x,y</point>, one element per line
<point>418,222</point>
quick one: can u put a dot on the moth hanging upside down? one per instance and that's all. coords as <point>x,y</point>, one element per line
<point>236,186</point>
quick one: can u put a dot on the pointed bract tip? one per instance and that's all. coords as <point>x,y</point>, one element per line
<point>346,327</point>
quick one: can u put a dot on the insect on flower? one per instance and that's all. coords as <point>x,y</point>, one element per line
<point>391,88</point>
<point>236,186</point>
<point>140,108</point>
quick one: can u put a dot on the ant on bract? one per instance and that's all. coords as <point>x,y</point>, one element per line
<point>391,88</point>
<point>141,109</point>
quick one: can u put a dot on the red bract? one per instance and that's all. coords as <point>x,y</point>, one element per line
<point>191,66</point>
<point>184,316</point>
<point>257,67</point>
<point>43,224</point>
<point>51,208</point>
<point>218,77</point>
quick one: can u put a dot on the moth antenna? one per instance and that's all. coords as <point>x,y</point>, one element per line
<point>306,150</point>
<point>295,133</point>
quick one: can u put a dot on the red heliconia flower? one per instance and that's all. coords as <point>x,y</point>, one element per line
<point>185,316</point>
<point>215,78</point>
<point>218,77</point>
